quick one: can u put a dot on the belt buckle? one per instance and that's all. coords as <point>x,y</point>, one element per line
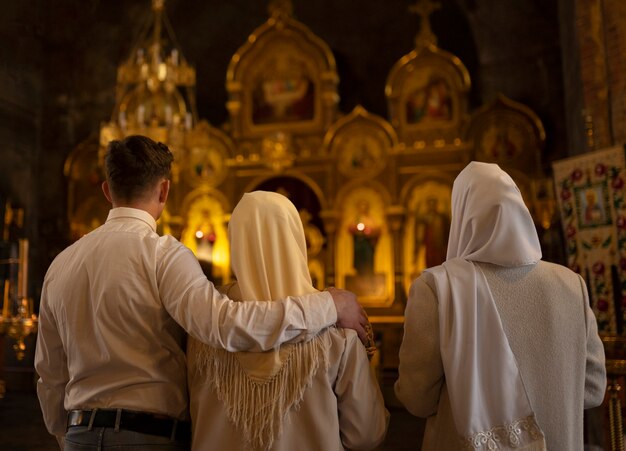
<point>75,418</point>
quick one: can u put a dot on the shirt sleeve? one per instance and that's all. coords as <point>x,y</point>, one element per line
<point>51,366</point>
<point>595,373</point>
<point>363,419</point>
<point>217,321</point>
<point>420,370</point>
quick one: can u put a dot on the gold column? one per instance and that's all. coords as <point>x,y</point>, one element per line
<point>615,415</point>
<point>395,218</point>
<point>330,219</point>
<point>615,350</point>
<point>6,311</point>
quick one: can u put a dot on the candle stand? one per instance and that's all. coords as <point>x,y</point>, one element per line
<point>17,317</point>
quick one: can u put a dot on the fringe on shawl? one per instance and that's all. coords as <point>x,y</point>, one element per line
<point>258,408</point>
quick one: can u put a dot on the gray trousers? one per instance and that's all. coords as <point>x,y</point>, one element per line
<point>80,438</point>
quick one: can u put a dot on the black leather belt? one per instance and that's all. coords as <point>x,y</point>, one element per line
<point>130,420</point>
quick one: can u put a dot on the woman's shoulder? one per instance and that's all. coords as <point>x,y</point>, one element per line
<point>424,288</point>
<point>344,341</point>
<point>341,334</point>
<point>555,268</point>
<point>558,275</point>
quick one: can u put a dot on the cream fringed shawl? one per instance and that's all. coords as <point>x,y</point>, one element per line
<point>490,223</point>
<point>269,259</point>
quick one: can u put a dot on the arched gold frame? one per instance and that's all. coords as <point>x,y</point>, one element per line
<point>219,207</point>
<point>401,81</point>
<point>357,136</point>
<point>506,115</point>
<point>281,30</point>
<point>380,201</point>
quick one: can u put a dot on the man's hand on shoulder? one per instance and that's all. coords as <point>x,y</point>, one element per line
<point>350,314</point>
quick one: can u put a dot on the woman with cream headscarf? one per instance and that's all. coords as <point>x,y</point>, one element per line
<point>318,395</point>
<point>500,349</point>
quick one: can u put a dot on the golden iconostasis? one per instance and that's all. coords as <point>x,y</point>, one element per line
<point>373,192</point>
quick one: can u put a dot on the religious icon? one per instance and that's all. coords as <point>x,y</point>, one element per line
<point>360,154</point>
<point>361,143</point>
<point>365,233</point>
<point>592,211</point>
<point>204,169</point>
<point>431,234</point>
<point>427,228</point>
<point>430,102</point>
<point>503,146</point>
<point>363,156</point>
<point>283,93</point>
<point>364,248</point>
<point>206,165</point>
<point>502,139</point>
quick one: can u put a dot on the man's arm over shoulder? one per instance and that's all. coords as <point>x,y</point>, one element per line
<point>595,373</point>
<point>214,319</point>
<point>421,370</point>
<point>350,314</point>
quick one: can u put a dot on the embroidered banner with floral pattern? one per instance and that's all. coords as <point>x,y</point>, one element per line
<point>590,192</point>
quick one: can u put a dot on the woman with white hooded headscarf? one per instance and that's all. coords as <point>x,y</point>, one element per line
<point>500,349</point>
<point>317,395</point>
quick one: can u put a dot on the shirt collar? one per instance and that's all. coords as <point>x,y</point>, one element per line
<point>134,213</point>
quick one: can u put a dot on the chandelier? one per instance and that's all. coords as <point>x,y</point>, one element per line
<point>155,84</point>
<point>17,320</point>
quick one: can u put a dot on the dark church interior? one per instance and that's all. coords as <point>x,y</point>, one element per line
<point>549,73</point>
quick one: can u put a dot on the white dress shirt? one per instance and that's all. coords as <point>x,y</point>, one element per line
<point>110,319</point>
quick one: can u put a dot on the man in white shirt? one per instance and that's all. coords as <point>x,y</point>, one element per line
<point>115,307</point>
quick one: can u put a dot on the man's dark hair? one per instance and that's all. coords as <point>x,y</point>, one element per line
<point>135,164</point>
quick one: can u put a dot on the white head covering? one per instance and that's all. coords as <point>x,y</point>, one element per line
<point>490,221</point>
<point>491,224</point>
<point>268,248</point>
<point>269,259</point>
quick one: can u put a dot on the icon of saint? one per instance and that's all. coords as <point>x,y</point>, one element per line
<point>365,233</point>
<point>431,234</point>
